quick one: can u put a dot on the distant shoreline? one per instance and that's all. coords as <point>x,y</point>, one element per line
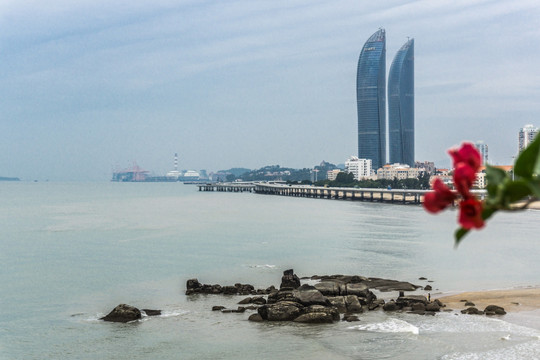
<point>4,178</point>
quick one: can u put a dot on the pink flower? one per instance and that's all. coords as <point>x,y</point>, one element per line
<point>464,176</point>
<point>470,214</point>
<point>467,154</point>
<point>438,199</point>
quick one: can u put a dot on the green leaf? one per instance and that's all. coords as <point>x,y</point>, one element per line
<point>495,182</point>
<point>528,162</point>
<point>495,175</point>
<point>515,191</point>
<point>534,185</point>
<point>459,234</point>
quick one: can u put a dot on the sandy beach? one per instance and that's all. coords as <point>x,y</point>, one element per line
<point>513,300</point>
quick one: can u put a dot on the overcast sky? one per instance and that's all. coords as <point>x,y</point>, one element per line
<point>88,86</point>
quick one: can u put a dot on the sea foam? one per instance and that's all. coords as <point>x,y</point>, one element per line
<point>388,326</point>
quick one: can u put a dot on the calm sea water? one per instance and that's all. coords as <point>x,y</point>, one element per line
<point>70,252</point>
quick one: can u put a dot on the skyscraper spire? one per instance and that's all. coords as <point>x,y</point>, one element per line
<point>371,100</point>
<point>401,106</point>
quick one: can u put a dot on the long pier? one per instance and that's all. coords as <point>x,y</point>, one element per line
<point>399,196</point>
<point>228,187</point>
<point>404,196</point>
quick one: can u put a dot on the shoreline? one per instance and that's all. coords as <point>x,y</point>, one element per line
<point>512,300</point>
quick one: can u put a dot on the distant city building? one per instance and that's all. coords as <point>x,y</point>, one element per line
<point>332,174</point>
<point>360,168</point>
<point>526,136</point>
<point>427,166</point>
<point>401,106</point>
<point>203,174</point>
<point>397,171</point>
<point>371,99</point>
<point>483,150</point>
<point>190,175</point>
<point>133,174</point>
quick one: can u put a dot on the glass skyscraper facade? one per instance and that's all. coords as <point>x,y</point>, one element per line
<point>371,100</point>
<point>401,106</point>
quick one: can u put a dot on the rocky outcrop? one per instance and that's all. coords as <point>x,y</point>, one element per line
<point>289,280</point>
<point>322,302</point>
<point>193,286</point>
<point>494,310</point>
<point>123,313</point>
<point>472,311</point>
<point>281,311</point>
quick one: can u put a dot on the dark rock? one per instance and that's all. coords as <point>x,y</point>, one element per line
<point>358,289</point>
<point>422,278</point>
<point>352,304</point>
<point>247,300</point>
<point>328,288</point>
<point>339,303</point>
<point>255,317</point>
<point>218,308</point>
<point>150,312</point>
<point>418,307</point>
<point>281,295</point>
<point>329,310</point>
<point>497,310</point>
<point>289,279</point>
<point>375,304</point>
<point>390,306</point>
<point>308,295</point>
<point>411,299</point>
<point>123,313</point>
<point>417,312</point>
<point>438,302</point>
<point>244,289</point>
<point>390,285</point>
<point>193,286</point>
<point>240,309</point>
<point>259,300</point>
<point>350,318</point>
<point>281,311</point>
<point>229,290</point>
<point>428,288</point>
<point>472,311</point>
<point>433,307</point>
<point>469,303</point>
<point>432,313</point>
<point>315,318</point>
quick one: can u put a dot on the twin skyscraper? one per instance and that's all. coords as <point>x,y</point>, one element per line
<point>371,102</point>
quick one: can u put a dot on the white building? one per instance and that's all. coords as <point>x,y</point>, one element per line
<point>526,136</point>
<point>332,174</point>
<point>360,168</point>
<point>483,150</point>
<point>397,171</point>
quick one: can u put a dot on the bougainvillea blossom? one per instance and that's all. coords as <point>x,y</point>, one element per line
<point>464,177</point>
<point>470,214</point>
<point>466,154</point>
<point>440,198</point>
